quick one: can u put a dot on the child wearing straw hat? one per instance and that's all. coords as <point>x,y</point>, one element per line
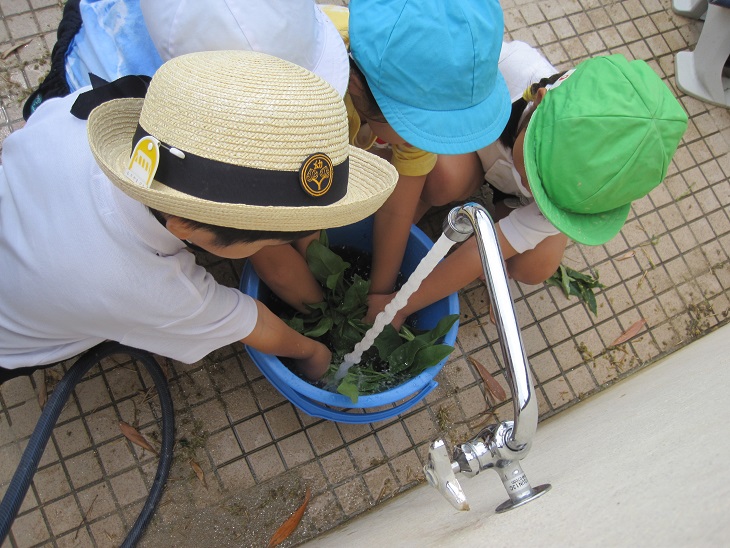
<point>231,151</point>
<point>579,148</point>
<point>109,38</point>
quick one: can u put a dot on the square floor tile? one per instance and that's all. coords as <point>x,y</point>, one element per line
<point>129,487</point>
<point>266,463</point>
<point>29,529</point>
<point>84,469</point>
<point>63,515</point>
<point>296,449</point>
<point>324,437</point>
<point>236,476</point>
<point>353,496</point>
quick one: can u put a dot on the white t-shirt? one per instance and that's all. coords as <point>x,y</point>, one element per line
<point>525,227</point>
<point>81,262</point>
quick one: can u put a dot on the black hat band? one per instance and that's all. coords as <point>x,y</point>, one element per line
<point>317,183</point>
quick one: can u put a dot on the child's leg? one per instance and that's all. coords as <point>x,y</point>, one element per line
<point>454,177</point>
<point>537,265</point>
<point>283,269</point>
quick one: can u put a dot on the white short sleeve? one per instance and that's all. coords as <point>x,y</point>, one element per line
<point>525,227</point>
<point>82,262</point>
<point>224,315</point>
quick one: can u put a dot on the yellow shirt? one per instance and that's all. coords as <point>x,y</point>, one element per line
<point>407,160</point>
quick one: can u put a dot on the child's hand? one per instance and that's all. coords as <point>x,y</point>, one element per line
<point>316,365</point>
<point>376,304</point>
<point>272,336</point>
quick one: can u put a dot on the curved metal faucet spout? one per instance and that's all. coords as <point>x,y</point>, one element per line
<point>500,446</point>
<point>460,223</point>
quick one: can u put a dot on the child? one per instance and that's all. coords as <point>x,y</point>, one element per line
<point>110,39</point>
<point>295,30</point>
<point>575,154</point>
<point>92,228</point>
<point>424,80</point>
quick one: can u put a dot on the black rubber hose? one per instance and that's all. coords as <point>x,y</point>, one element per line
<point>39,439</point>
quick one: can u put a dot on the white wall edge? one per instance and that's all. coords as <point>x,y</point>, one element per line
<point>645,462</point>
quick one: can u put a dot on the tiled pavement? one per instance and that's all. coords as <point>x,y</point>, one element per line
<point>258,454</point>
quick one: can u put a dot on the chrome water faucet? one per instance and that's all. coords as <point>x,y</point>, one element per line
<point>498,446</point>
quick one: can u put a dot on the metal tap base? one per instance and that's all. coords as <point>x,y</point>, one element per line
<point>532,495</point>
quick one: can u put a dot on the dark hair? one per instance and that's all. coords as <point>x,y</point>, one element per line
<point>225,236</point>
<point>513,127</point>
<point>364,102</point>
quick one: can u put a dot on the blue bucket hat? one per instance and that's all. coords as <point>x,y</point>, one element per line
<point>432,68</point>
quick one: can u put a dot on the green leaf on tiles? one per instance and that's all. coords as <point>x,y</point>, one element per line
<point>577,284</point>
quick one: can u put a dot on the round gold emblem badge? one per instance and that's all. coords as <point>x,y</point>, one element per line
<point>316,174</point>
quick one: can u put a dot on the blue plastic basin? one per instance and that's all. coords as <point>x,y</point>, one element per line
<point>333,406</point>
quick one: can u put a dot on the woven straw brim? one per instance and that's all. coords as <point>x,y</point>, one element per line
<point>111,128</point>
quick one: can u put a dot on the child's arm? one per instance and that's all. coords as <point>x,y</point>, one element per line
<point>391,230</point>
<point>272,336</point>
<point>455,272</point>
<point>302,244</point>
<point>284,270</point>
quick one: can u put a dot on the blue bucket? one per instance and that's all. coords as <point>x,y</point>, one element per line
<point>333,406</point>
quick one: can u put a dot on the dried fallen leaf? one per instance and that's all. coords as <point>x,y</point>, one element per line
<point>42,389</point>
<point>83,519</point>
<point>494,388</point>
<point>54,375</point>
<point>198,472</point>
<point>7,51</point>
<point>133,435</point>
<point>629,333</point>
<point>288,527</point>
<point>627,255</point>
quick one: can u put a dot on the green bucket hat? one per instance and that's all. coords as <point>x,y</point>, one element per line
<point>600,139</point>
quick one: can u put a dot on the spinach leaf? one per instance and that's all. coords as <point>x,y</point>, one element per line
<point>395,357</point>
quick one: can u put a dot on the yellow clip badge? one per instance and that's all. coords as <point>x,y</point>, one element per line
<point>144,161</point>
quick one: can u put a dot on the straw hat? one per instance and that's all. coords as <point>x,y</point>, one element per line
<point>239,139</point>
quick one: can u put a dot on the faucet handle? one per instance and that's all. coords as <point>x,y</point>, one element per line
<point>440,474</point>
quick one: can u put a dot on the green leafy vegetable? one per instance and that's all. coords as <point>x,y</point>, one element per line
<point>577,284</point>
<point>337,321</point>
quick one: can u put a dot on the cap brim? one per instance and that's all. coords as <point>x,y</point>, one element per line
<point>450,131</point>
<point>111,128</point>
<point>594,229</point>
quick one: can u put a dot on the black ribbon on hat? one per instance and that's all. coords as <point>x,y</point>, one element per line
<point>126,87</point>
<point>221,182</point>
